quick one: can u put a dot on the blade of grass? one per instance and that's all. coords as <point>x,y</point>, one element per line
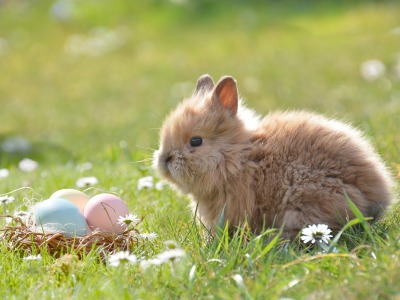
<point>270,245</point>
<point>360,217</point>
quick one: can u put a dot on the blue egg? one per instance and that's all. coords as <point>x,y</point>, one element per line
<point>60,215</point>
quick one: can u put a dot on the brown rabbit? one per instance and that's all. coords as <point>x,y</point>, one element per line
<point>288,170</point>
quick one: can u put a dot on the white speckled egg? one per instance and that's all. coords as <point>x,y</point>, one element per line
<point>60,215</point>
<point>102,212</point>
<point>76,197</point>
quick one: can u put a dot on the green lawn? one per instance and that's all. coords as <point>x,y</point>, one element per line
<point>95,87</point>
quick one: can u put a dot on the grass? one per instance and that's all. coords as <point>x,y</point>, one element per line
<point>75,108</point>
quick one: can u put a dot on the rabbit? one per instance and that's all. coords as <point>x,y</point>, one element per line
<point>288,170</point>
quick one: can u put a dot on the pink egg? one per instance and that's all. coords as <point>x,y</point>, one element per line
<point>102,212</point>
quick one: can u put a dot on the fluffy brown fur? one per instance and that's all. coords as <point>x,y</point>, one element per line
<point>290,170</point>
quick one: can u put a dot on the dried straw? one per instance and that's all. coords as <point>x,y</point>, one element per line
<point>21,237</point>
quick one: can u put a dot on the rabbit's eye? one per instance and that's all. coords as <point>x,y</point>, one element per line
<point>196,141</point>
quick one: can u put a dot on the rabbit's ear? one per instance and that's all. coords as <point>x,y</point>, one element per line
<point>204,84</point>
<point>226,94</point>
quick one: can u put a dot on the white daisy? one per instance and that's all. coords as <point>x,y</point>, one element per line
<point>4,173</point>
<point>171,244</point>
<point>28,165</point>
<point>160,185</point>
<point>149,236</point>
<point>122,257</point>
<point>145,182</point>
<point>33,257</point>
<point>172,255</point>
<point>144,264</point>
<point>372,69</point>
<point>86,181</point>
<point>86,166</point>
<point>319,233</point>
<point>6,199</point>
<point>128,220</point>
<point>23,215</point>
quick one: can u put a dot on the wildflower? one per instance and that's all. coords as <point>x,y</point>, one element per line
<point>6,199</point>
<point>23,215</point>
<point>395,31</point>
<point>160,185</point>
<point>172,255</point>
<point>128,220</point>
<point>122,257</point>
<point>85,167</point>
<point>145,182</point>
<point>319,233</point>
<point>28,165</point>
<point>86,181</point>
<point>149,236</point>
<point>144,264</point>
<point>99,41</point>
<point>4,173</point>
<point>171,244</point>
<point>372,69</point>
<point>33,257</point>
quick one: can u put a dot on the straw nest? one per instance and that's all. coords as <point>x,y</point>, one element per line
<point>20,236</point>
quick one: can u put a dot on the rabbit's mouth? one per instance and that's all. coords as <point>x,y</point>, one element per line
<point>172,168</point>
<point>168,165</point>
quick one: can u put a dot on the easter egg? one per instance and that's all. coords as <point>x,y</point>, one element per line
<point>74,196</point>
<point>60,215</point>
<point>102,212</point>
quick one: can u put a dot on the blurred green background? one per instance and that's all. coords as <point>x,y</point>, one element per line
<point>93,80</point>
<point>85,86</point>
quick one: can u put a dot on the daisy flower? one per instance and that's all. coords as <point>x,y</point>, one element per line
<point>122,257</point>
<point>6,199</point>
<point>171,255</point>
<point>86,181</point>
<point>23,215</point>
<point>171,244</point>
<point>128,220</point>
<point>149,236</point>
<point>33,257</point>
<point>372,69</point>
<point>145,182</point>
<point>28,165</point>
<point>160,185</point>
<point>4,173</point>
<point>313,233</point>
<point>8,220</point>
<point>145,264</point>
<point>86,166</point>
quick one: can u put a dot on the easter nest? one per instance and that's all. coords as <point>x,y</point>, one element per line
<point>21,236</point>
